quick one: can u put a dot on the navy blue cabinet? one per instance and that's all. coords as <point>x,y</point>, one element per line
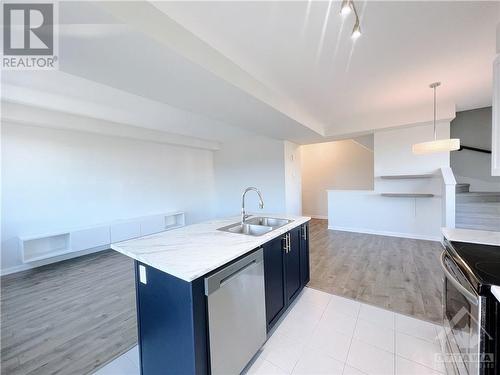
<point>304,254</point>
<point>292,265</point>
<point>274,275</point>
<point>171,319</point>
<point>286,271</point>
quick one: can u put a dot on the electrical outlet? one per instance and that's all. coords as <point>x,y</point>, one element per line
<point>143,278</point>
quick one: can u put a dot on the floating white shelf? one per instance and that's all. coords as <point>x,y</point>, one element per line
<point>50,245</point>
<point>407,176</point>
<point>407,195</point>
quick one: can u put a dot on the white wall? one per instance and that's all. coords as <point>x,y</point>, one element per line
<point>250,161</point>
<point>474,130</point>
<point>56,179</point>
<point>344,165</point>
<point>393,150</point>
<point>369,212</point>
<point>293,178</point>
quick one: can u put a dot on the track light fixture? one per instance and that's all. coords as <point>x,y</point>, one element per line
<point>345,9</point>
<point>356,31</point>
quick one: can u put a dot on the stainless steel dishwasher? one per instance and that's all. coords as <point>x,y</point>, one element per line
<point>236,314</point>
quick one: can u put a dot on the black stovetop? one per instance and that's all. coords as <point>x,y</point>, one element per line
<point>483,261</point>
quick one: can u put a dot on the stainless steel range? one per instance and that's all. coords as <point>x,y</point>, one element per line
<point>470,312</point>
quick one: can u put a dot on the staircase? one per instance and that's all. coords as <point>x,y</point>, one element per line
<point>477,210</point>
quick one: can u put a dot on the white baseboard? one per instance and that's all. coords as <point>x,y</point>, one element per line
<point>318,217</point>
<point>29,266</point>
<point>386,233</point>
<point>14,269</point>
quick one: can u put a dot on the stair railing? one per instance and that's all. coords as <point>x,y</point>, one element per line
<point>483,150</point>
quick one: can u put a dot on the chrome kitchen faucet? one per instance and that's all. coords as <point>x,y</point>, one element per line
<point>261,202</point>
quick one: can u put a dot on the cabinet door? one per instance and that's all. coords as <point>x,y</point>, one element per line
<point>292,268</point>
<point>304,254</point>
<point>274,277</point>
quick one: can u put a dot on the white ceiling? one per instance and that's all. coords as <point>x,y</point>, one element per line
<point>405,46</point>
<point>142,66</point>
<point>261,68</point>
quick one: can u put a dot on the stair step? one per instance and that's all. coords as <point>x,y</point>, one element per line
<point>478,218</point>
<point>462,188</point>
<point>480,197</point>
<point>478,207</point>
<point>478,227</point>
<point>483,220</point>
<point>477,210</point>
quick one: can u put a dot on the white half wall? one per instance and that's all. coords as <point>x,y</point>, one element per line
<point>54,179</point>
<point>343,165</point>
<point>370,212</point>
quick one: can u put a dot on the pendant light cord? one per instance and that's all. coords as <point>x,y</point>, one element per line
<point>434,86</point>
<point>435,131</point>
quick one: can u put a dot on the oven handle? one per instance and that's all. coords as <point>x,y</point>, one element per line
<point>470,296</point>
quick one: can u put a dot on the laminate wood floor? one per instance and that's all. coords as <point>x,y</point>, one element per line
<point>398,274</point>
<point>72,317</point>
<point>69,317</point>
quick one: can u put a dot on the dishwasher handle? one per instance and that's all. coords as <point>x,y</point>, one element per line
<point>215,281</point>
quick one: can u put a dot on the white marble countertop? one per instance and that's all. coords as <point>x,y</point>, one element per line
<point>195,250</point>
<point>472,236</point>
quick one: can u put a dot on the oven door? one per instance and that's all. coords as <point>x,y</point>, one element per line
<point>462,319</point>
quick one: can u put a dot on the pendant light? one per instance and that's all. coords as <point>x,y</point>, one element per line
<point>356,31</point>
<point>345,9</point>
<point>437,145</point>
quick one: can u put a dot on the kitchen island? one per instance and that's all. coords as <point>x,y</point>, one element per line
<point>172,269</point>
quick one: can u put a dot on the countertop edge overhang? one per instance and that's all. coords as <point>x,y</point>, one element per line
<point>195,250</point>
<point>472,236</point>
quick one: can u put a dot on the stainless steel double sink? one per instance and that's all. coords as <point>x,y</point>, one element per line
<point>256,226</point>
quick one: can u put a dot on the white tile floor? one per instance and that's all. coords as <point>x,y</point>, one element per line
<point>327,334</point>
